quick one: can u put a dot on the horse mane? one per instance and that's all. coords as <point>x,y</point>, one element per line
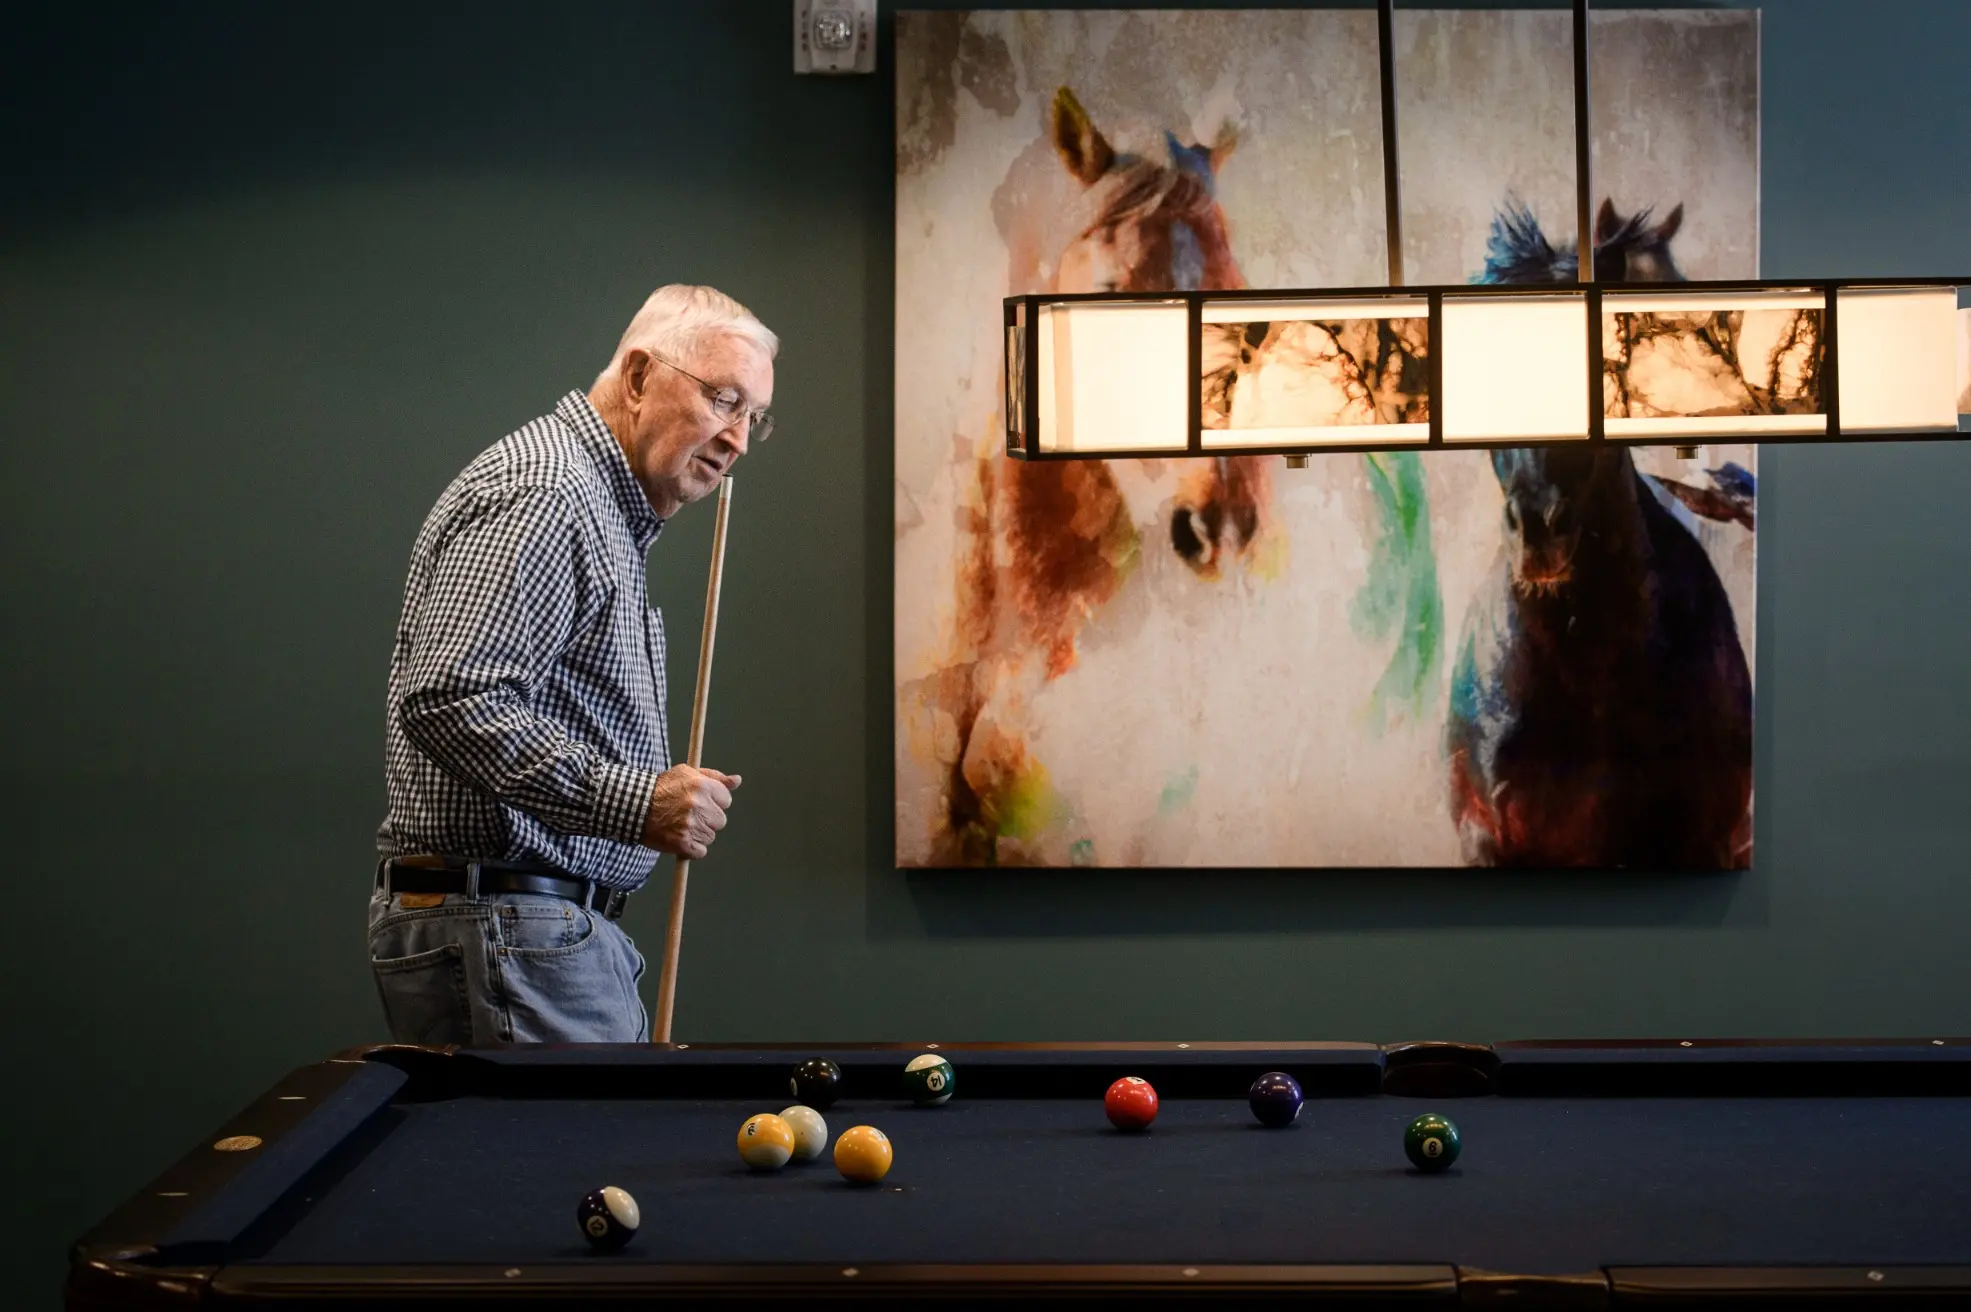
<point>1517,251</point>
<point>1627,233</point>
<point>1137,188</point>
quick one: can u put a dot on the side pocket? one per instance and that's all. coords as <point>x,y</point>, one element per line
<point>424,995</point>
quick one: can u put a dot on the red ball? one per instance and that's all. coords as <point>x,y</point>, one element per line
<point>1131,1103</point>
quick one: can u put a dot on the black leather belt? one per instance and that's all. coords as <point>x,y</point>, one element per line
<point>457,876</point>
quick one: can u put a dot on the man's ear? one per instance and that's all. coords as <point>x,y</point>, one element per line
<point>634,375</point>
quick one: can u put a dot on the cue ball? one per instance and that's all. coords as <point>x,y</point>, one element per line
<point>816,1083</point>
<point>1131,1103</point>
<point>929,1080</point>
<point>766,1142</point>
<point>1275,1099</point>
<point>810,1131</point>
<point>863,1154</point>
<point>609,1218</point>
<point>1431,1142</point>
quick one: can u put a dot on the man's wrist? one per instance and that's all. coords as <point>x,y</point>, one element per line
<point>622,801</point>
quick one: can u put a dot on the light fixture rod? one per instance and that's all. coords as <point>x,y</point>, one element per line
<point>1583,144</point>
<point>1392,189</point>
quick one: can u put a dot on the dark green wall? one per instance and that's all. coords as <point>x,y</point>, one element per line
<point>270,274</point>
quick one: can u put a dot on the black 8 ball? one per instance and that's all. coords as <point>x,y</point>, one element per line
<point>816,1083</point>
<point>608,1217</point>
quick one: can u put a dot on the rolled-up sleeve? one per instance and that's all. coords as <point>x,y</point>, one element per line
<point>510,588</point>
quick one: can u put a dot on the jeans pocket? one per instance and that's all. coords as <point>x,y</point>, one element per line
<point>571,993</point>
<point>529,925</point>
<point>424,995</point>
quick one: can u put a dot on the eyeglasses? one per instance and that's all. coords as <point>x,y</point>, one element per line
<point>728,404</point>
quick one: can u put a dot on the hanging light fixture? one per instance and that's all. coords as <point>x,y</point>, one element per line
<point>1109,375</point>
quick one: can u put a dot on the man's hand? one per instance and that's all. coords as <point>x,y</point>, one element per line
<point>687,810</point>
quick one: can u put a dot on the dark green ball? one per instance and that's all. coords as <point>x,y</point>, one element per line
<point>929,1080</point>
<point>1431,1142</point>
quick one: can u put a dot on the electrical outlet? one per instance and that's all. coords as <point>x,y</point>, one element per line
<point>834,36</point>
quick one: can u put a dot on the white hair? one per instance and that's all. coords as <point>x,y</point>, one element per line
<point>679,318</point>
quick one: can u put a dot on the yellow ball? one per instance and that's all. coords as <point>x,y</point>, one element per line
<point>766,1142</point>
<point>863,1154</point>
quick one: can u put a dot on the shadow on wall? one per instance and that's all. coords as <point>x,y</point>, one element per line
<point>958,904</point>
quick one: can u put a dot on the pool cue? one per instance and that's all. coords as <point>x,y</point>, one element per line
<point>667,977</point>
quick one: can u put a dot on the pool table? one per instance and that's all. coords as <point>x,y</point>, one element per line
<point>1592,1175</point>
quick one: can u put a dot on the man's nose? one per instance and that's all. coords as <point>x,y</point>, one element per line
<point>738,435</point>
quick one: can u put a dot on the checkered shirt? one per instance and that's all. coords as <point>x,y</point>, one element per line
<point>526,718</point>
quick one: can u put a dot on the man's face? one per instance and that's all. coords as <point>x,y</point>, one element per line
<point>679,444</point>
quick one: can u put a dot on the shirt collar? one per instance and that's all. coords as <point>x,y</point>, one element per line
<point>575,411</point>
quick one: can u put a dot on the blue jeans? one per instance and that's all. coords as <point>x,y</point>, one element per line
<point>504,968</point>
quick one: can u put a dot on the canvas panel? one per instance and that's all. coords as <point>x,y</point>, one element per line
<point>1223,662</point>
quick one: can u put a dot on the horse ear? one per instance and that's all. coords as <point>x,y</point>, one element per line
<point>1671,222</point>
<point>1505,463</point>
<point>1223,145</point>
<point>1081,145</point>
<point>1607,222</point>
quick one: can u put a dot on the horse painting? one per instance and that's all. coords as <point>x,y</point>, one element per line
<point>1601,704</point>
<point>1045,546</point>
<point>1413,658</point>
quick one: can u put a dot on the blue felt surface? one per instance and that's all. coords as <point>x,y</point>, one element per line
<point>279,1165</point>
<point>1551,1184</point>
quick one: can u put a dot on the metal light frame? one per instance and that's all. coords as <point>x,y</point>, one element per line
<point>1020,318</point>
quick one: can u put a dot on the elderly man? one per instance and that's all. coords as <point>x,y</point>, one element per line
<point>530,783</point>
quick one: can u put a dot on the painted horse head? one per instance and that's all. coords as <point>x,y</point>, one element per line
<point>1551,492</point>
<point>1150,221</point>
<point>1052,542</point>
<point>1634,250</point>
<point>1552,495</point>
<point>1146,225</point>
<point>1627,249</point>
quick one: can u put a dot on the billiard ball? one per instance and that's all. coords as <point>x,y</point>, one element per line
<point>766,1142</point>
<point>863,1154</point>
<point>929,1080</point>
<point>1431,1142</point>
<point>608,1217</point>
<point>817,1083</point>
<point>1275,1099</point>
<point>1131,1103</point>
<point>810,1131</point>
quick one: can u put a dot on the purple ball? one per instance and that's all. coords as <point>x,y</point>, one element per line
<point>1275,1099</point>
